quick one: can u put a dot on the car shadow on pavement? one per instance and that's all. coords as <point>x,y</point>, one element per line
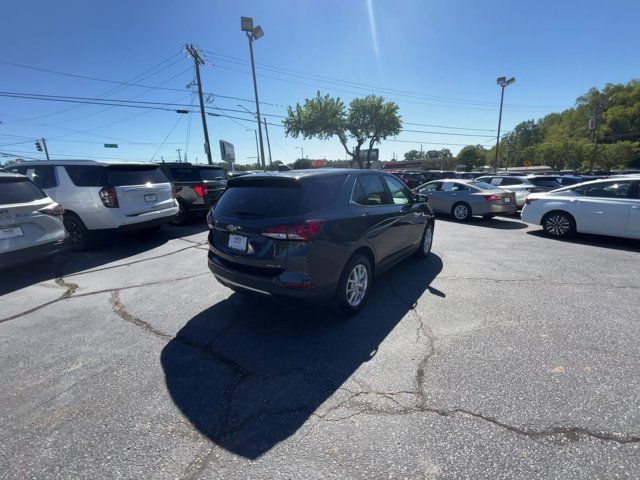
<point>108,249</point>
<point>249,372</point>
<point>602,241</point>
<point>499,223</point>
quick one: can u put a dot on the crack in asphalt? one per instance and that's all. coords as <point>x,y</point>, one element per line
<point>65,296</point>
<point>121,311</point>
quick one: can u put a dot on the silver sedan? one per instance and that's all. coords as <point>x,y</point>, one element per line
<point>464,198</point>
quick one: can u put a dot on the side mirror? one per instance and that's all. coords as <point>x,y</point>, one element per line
<point>422,197</point>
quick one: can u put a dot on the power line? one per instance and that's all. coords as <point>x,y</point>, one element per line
<point>347,83</point>
<point>165,138</point>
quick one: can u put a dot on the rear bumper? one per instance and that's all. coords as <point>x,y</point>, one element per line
<point>267,286</point>
<point>31,254</point>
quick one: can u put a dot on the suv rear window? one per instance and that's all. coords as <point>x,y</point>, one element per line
<point>18,190</point>
<point>184,174</point>
<point>122,175</point>
<point>279,197</point>
<point>212,174</point>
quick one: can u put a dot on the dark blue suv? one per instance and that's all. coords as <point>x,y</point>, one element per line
<point>315,234</point>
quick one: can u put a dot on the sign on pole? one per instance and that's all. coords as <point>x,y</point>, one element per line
<point>374,154</point>
<point>227,153</point>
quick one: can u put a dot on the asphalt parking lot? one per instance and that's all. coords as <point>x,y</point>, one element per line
<point>503,355</point>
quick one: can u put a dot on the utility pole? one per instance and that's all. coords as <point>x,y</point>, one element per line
<point>46,150</point>
<point>193,51</point>
<point>268,142</point>
<point>179,157</point>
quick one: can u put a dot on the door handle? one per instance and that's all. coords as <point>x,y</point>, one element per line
<point>635,207</point>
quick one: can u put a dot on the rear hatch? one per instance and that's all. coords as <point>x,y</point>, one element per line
<point>249,206</point>
<point>260,219</point>
<point>140,188</point>
<point>21,222</point>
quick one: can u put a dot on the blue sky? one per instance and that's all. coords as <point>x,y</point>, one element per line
<point>437,59</point>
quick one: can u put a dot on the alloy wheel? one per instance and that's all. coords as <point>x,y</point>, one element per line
<point>558,225</point>
<point>428,239</point>
<point>357,285</point>
<point>460,212</point>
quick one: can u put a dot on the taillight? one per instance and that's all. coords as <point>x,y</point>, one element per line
<point>173,191</point>
<point>109,197</point>
<point>534,190</point>
<point>210,222</point>
<point>55,210</point>
<point>201,190</point>
<point>529,200</point>
<point>493,198</point>
<point>304,231</point>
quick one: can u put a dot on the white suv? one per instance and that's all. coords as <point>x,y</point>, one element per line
<point>99,196</point>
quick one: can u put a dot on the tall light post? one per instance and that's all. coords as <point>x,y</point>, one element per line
<point>502,82</point>
<point>301,151</point>
<point>246,24</point>
<point>266,130</point>
<point>256,134</point>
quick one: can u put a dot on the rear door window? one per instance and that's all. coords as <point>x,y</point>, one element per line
<point>545,182</point>
<point>134,175</point>
<point>609,190</point>
<point>373,190</point>
<point>18,190</point>
<point>431,187</point>
<point>87,175</point>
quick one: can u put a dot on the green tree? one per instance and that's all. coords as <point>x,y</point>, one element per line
<point>368,119</point>
<point>301,164</point>
<point>412,155</point>
<point>472,156</point>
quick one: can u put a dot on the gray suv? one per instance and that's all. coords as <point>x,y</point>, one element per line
<point>315,234</point>
<point>30,222</point>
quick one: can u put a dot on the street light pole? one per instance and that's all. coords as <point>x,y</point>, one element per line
<point>246,24</point>
<point>301,151</point>
<point>502,82</point>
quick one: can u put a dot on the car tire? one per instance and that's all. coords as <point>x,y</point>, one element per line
<point>79,236</point>
<point>487,217</point>
<point>558,225</point>
<point>461,212</point>
<point>181,217</point>
<point>425,243</point>
<point>354,285</point>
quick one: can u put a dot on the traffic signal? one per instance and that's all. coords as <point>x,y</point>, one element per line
<point>38,146</point>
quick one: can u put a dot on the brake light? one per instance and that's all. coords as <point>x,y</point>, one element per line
<point>109,197</point>
<point>201,190</point>
<point>173,192</point>
<point>55,210</point>
<point>493,198</point>
<point>529,200</point>
<point>304,231</point>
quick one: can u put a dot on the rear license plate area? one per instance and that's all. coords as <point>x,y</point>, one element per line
<point>11,232</point>
<point>238,242</point>
<point>150,197</point>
